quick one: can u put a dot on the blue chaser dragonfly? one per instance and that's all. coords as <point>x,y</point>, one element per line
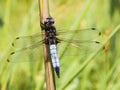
<point>54,38</point>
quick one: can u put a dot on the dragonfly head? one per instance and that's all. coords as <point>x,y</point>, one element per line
<point>49,21</point>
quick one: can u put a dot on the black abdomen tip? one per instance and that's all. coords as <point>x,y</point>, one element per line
<point>57,70</point>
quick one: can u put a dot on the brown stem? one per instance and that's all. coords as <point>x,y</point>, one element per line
<point>44,13</point>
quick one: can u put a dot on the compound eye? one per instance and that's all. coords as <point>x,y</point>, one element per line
<point>52,21</point>
<point>49,20</point>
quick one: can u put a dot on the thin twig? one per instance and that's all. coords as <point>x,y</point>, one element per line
<point>44,13</point>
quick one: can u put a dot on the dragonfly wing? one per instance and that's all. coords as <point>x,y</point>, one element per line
<point>83,34</point>
<point>78,47</point>
<point>26,41</point>
<point>84,40</point>
<point>26,54</point>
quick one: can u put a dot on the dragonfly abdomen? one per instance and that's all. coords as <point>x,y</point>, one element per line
<point>54,59</point>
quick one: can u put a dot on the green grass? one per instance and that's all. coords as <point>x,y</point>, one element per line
<point>96,71</point>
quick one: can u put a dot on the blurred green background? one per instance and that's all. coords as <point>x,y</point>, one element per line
<point>21,17</point>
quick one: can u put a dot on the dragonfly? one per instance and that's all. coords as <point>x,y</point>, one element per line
<point>54,38</point>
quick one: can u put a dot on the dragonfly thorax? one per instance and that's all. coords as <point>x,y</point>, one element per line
<point>50,37</point>
<point>50,31</point>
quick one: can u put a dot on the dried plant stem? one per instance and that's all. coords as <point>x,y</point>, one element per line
<point>50,80</point>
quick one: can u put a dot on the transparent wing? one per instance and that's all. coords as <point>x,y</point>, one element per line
<point>26,41</point>
<point>82,34</point>
<point>26,54</point>
<point>82,42</point>
<point>77,48</point>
